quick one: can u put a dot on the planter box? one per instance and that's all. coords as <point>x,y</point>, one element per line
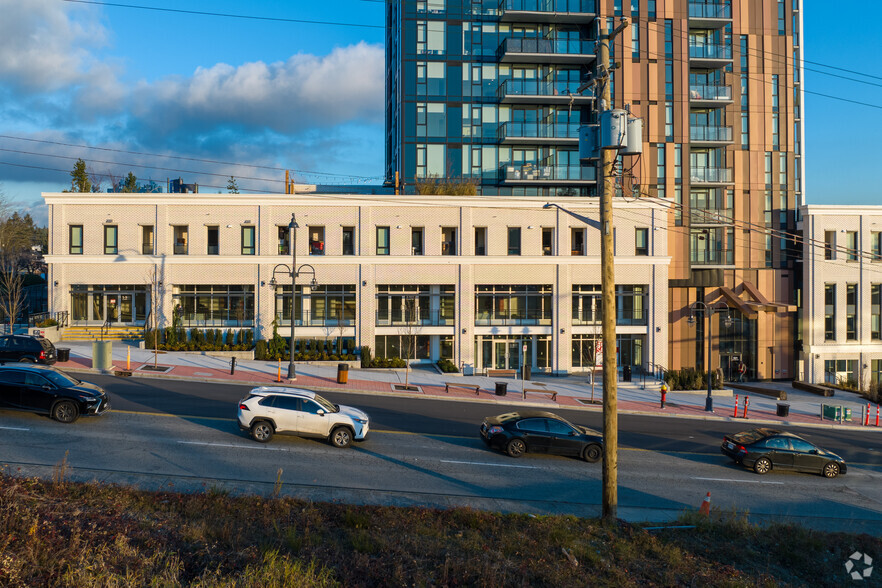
<point>51,333</point>
<point>354,364</point>
<point>221,354</point>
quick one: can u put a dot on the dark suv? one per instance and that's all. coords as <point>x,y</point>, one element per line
<point>43,389</point>
<point>27,348</point>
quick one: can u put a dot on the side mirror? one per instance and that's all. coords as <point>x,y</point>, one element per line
<point>814,451</point>
<point>47,387</point>
<point>320,412</point>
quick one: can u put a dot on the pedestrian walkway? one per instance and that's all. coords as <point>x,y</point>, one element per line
<point>641,396</point>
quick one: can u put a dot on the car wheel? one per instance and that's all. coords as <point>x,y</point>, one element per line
<point>831,470</point>
<point>762,466</point>
<point>261,431</point>
<point>516,448</point>
<point>25,360</point>
<point>65,412</point>
<point>341,437</point>
<point>592,453</point>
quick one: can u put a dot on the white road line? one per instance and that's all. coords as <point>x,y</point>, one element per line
<point>738,481</point>
<point>14,429</point>
<point>498,465</point>
<point>233,445</point>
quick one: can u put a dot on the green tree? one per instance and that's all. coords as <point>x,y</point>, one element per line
<point>131,184</point>
<point>79,178</point>
<point>232,186</point>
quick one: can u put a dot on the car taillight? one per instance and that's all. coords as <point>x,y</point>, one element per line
<point>740,449</point>
<point>42,355</point>
<point>494,430</point>
<point>243,407</point>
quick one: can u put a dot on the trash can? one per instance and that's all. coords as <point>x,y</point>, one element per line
<point>501,388</point>
<point>626,373</point>
<point>62,353</point>
<point>783,409</point>
<point>526,371</point>
<point>342,373</point>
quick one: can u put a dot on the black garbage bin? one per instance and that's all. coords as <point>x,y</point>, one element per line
<point>62,353</point>
<point>626,373</point>
<point>526,371</point>
<point>783,409</point>
<point>501,388</point>
<point>342,373</point>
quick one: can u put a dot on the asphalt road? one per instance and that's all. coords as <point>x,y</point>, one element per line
<point>164,434</point>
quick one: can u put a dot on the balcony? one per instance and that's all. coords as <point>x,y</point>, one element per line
<point>709,15</point>
<point>548,11</point>
<point>709,55</point>
<point>710,175</point>
<point>546,174</point>
<point>709,95</point>
<point>710,134</point>
<point>431,318</point>
<point>540,92</point>
<point>711,216</point>
<point>306,318</point>
<point>513,317</point>
<point>624,317</point>
<point>574,51</point>
<point>536,133</point>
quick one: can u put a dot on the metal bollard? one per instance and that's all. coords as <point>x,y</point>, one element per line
<point>232,365</point>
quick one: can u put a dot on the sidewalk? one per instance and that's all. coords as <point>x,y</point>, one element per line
<point>634,397</point>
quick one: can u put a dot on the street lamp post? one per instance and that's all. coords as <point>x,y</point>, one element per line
<point>294,272</point>
<point>708,310</point>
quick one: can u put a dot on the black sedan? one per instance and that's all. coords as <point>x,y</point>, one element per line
<point>537,431</point>
<point>764,449</point>
<point>43,389</point>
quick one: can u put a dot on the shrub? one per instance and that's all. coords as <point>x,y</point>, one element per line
<point>260,349</point>
<point>447,366</point>
<point>365,356</point>
<point>48,323</point>
<point>249,338</point>
<point>689,379</point>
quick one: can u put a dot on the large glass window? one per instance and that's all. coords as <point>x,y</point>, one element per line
<point>331,305</point>
<point>215,305</point>
<point>402,305</point>
<point>76,239</point>
<point>513,305</point>
<point>829,312</point>
<point>110,240</point>
<point>840,371</point>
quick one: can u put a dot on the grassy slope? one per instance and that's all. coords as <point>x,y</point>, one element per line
<point>69,534</point>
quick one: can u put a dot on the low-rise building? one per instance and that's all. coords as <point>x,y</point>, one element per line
<point>484,282</point>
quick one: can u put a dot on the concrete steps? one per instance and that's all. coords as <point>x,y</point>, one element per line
<point>93,333</point>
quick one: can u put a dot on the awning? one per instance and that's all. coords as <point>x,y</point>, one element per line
<point>750,308</point>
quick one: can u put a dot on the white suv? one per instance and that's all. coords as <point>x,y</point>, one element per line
<point>270,409</point>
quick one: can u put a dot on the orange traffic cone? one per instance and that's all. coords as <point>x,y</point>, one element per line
<point>705,505</point>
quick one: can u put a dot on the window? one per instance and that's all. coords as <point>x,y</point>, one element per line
<point>181,240</point>
<point>635,41</point>
<point>745,130</point>
<point>876,246</point>
<point>829,244</point>
<point>768,248</point>
<point>480,240</point>
<point>851,253</point>
<point>768,168</point>
<point>110,244</point>
<point>382,240</point>
<point>669,121</point>
<point>416,240</point>
<point>320,306</point>
<point>316,240</point>
<point>213,305</point>
<point>642,241</point>
<point>577,241</point>
<point>514,240</point>
<point>513,305</point>
<point>829,312</point>
<point>448,241</point>
<point>876,312</point>
<point>147,240</point>
<point>851,312</point>
<point>248,241</point>
<point>547,241</point>
<point>213,241</point>
<point>283,238</point>
<point>76,239</point>
<point>348,240</point>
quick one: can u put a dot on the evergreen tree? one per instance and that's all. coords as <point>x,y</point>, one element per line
<point>232,186</point>
<point>80,181</point>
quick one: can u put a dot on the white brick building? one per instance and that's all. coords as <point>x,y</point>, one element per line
<point>473,278</point>
<point>842,285</point>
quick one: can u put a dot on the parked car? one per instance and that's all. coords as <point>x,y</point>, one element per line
<point>43,389</point>
<point>27,348</point>
<point>764,449</point>
<point>269,409</point>
<point>537,431</point>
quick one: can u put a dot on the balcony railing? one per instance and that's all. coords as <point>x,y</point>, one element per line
<point>709,133</point>
<point>537,130</point>
<point>711,216</point>
<point>432,318</point>
<point>537,88</point>
<point>308,319</point>
<point>704,257</point>
<point>559,6</point>
<point>547,46</point>
<point>514,317</point>
<point>710,10</point>
<point>539,173</point>
<point>710,51</point>
<point>710,175</point>
<point>638,317</point>
<point>710,92</point>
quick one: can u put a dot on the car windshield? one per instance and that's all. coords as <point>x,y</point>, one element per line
<point>60,379</point>
<point>752,436</point>
<point>326,404</point>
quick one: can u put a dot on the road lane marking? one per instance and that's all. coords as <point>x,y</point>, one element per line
<point>14,429</point>
<point>739,481</point>
<point>234,445</point>
<point>498,465</point>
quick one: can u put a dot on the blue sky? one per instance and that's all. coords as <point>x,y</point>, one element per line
<point>286,95</point>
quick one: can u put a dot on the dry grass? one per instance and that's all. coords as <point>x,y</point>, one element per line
<point>71,534</point>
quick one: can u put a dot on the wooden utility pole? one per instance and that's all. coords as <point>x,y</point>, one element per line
<point>607,290</point>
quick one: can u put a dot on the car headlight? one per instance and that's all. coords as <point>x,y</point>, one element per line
<point>360,421</point>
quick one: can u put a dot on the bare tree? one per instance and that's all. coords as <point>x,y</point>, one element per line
<point>11,287</point>
<point>152,322</point>
<point>408,332</point>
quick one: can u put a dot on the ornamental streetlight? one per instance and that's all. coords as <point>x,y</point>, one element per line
<point>294,272</point>
<point>709,310</point>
